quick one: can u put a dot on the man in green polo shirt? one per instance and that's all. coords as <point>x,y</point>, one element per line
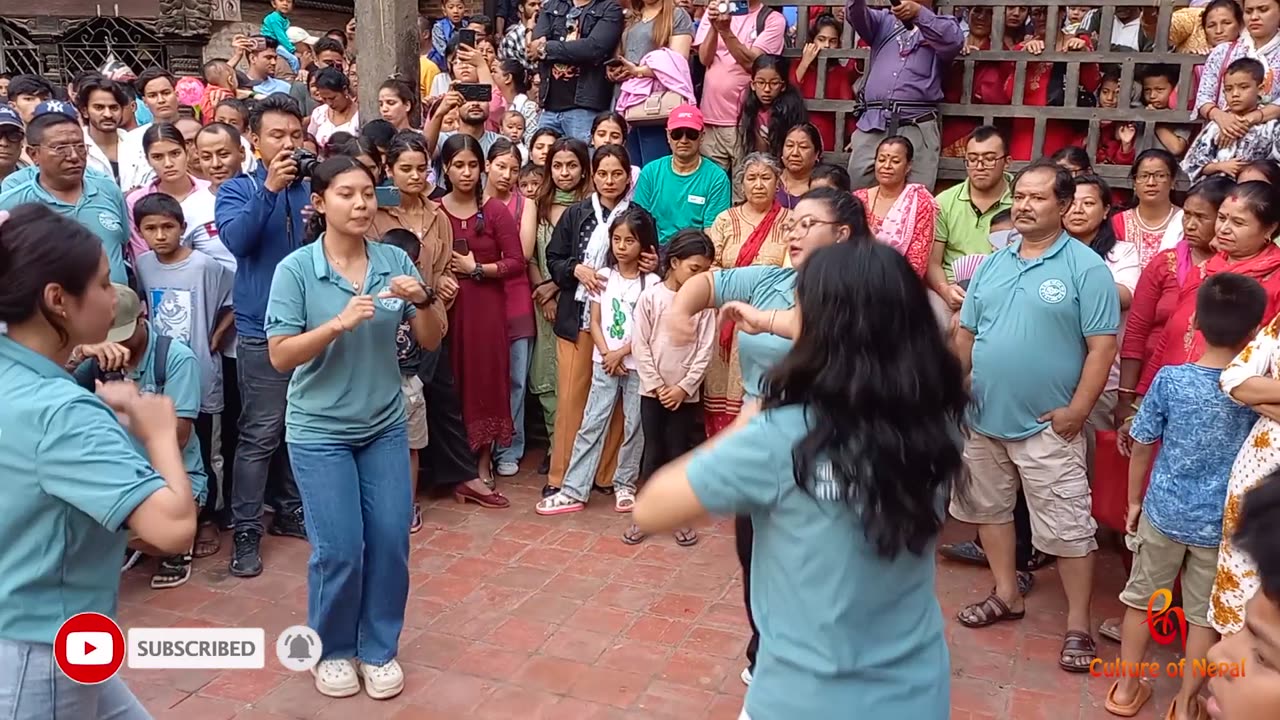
<point>56,144</point>
<point>963,225</point>
<point>683,190</point>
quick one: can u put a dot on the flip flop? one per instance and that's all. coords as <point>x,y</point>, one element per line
<point>686,537</point>
<point>208,541</point>
<point>1133,708</point>
<point>633,535</point>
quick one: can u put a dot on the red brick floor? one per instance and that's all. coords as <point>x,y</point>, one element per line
<point>512,615</point>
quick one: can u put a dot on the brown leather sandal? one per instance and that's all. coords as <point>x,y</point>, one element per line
<point>988,612</point>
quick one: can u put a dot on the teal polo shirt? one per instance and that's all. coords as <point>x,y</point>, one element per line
<point>682,201</point>
<point>182,386</point>
<point>350,392</point>
<point>71,478</point>
<point>1030,319</point>
<point>845,633</point>
<point>766,288</point>
<point>101,209</point>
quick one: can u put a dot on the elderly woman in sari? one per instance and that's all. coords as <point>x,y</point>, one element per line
<point>749,234</point>
<point>900,214</point>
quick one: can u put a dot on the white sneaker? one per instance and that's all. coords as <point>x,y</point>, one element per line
<point>382,681</point>
<point>746,676</point>
<point>508,469</point>
<point>336,678</point>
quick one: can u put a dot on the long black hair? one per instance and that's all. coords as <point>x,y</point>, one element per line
<point>786,111</point>
<point>1104,241</point>
<point>39,247</point>
<point>457,144</point>
<point>884,418</point>
<point>167,132</point>
<point>324,175</point>
<point>690,242</point>
<point>847,210</point>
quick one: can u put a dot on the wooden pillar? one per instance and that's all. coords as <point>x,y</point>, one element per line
<point>387,38</point>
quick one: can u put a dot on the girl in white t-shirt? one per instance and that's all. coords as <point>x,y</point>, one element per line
<point>614,294</point>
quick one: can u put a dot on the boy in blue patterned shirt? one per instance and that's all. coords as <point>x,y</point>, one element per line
<point>1177,525</point>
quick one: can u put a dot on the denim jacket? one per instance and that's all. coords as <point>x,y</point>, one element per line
<point>599,31</point>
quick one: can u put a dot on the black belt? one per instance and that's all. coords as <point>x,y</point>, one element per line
<point>900,113</point>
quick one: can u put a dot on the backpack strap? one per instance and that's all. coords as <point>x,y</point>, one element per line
<point>160,362</point>
<point>762,17</point>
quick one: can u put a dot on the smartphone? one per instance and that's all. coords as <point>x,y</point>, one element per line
<point>613,62</point>
<point>388,196</point>
<point>257,44</point>
<point>467,37</point>
<point>475,92</point>
<point>460,246</point>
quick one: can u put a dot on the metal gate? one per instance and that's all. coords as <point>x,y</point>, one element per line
<point>18,52</point>
<point>89,44</point>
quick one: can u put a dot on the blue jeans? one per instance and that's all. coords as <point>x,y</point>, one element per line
<point>521,356</point>
<point>575,123</point>
<point>32,686</point>
<point>646,143</point>
<point>588,446</point>
<point>263,392</point>
<point>357,504</point>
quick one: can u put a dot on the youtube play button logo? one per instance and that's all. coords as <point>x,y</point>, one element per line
<point>89,648</point>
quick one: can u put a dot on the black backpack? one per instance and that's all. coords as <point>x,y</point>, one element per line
<point>698,72</point>
<point>159,367</point>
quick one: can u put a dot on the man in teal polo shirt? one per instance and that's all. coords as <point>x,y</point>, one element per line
<point>1038,330</point>
<point>130,350</point>
<point>963,225</point>
<point>55,142</point>
<point>684,190</point>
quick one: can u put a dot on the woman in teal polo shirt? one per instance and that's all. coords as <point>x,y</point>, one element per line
<point>845,472</point>
<point>822,217</point>
<point>73,480</point>
<point>332,316</point>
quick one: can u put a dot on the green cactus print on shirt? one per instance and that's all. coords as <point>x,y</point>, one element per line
<point>618,328</point>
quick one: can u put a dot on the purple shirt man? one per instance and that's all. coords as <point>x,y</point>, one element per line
<point>905,66</point>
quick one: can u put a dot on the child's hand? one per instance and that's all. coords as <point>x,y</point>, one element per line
<point>1231,167</point>
<point>671,397</point>
<point>1230,127</point>
<point>1035,47</point>
<point>613,362</point>
<point>1131,518</point>
<point>1127,133</point>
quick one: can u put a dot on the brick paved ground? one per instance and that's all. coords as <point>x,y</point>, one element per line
<point>512,615</point>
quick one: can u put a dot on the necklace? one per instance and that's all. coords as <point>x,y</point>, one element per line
<point>1142,224</point>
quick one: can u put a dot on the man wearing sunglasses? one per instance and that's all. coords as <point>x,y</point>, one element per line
<point>56,144</point>
<point>685,190</point>
<point>11,137</point>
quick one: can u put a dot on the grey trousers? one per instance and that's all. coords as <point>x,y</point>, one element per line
<point>589,444</point>
<point>926,140</point>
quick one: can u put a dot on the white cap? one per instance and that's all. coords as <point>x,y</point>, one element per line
<point>298,35</point>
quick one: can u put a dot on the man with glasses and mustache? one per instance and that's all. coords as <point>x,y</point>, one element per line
<point>56,144</point>
<point>685,190</point>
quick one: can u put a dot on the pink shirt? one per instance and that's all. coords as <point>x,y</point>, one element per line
<point>726,79</point>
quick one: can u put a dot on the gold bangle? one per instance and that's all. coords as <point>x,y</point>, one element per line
<point>773,315</point>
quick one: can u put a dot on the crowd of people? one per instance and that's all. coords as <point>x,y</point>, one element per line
<point>619,226</point>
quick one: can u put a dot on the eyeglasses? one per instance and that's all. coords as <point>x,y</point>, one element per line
<point>685,134</point>
<point>804,225</point>
<point>767,84</point>
<point>983,161</point>
<point>1159,177</point>
<point>67,150</point>
<point>13,136</point>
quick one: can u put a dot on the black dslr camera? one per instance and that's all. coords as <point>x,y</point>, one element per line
<point>307,162</point>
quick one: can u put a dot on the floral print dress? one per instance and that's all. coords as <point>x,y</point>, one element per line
<point>1259,457</point>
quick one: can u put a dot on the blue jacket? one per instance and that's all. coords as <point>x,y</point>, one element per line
<point>254,223</point>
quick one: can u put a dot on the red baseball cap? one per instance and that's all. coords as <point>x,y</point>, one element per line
<point>686,116</point>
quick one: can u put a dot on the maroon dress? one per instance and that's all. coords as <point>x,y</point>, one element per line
<point>478,324</point>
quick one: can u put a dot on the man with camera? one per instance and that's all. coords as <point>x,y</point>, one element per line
<point>260,218</point>
<point>911,46</point>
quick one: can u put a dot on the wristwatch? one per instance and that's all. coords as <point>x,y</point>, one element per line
<point>477,273</point>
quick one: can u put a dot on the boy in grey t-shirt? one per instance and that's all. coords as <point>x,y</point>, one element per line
<point>188,293</point>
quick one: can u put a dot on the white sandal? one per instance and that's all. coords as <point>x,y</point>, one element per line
<point>624,500</point>
<point>559,504</point>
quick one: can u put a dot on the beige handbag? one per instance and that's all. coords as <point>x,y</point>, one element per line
<point>655,109</point>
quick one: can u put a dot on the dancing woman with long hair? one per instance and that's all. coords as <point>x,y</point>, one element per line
<point>845,471</point>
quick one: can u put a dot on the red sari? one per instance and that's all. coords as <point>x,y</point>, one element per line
<point>1180,342</point>
<point>1154,300</point>
<point>478,324</point>
<point>908,226</point>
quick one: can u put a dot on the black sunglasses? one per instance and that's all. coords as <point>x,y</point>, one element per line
<point>685,134</point>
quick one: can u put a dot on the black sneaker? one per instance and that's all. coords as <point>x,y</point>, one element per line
<point>289,525</point>
<point>246,561</point>
<point>544,467</point>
